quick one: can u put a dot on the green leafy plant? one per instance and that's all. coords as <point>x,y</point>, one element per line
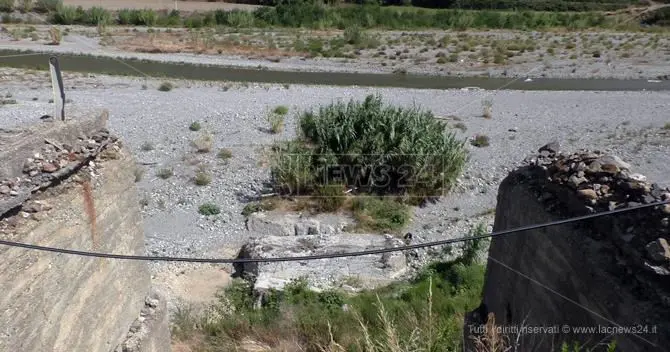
<point>209,209</point>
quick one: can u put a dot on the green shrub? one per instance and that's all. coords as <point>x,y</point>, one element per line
<point>202,178</point>
<point>26,6</point>
<point>380,214</point>
<point>165,87</point>
<point>224,154</point>
<point>330,198</point>
<point>97,16</point>
<point>480,140</point>
<point>195,126</point>
<point>264,205</point>
<point>375,147</point>
<point>66,15</point>
<point>6,5</point>
<point>280,110</point>
<point>208,209</point>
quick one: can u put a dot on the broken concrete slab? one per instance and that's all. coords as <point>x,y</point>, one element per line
<point>280,223</point>
<point>367,271</point>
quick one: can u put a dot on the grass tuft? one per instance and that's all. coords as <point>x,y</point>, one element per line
<point>209,209</point>
<point>480,140</point>
<point>195,126</point>
<point>165,173</point>
<point>165,87</point>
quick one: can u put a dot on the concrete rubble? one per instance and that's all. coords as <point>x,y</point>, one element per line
<point>605,182</point>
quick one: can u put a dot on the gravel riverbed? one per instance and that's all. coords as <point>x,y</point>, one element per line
<point>632,125</point>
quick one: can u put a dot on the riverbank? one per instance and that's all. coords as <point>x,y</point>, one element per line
<point>155,126</point>
<point>496,54</point>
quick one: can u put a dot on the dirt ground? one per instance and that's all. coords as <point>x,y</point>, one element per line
<point>159,5</point>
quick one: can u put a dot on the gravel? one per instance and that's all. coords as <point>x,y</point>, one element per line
<point>627,124</point>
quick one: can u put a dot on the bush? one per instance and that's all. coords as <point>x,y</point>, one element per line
<point>373,147</point>
<point>480,140</point>
<point>195,126</point>
<point>280,110</point>
<point>225,154</point>
<point>208,209</point>
<point>97,16</point>
<point>66,15</point>
<point>202,178</point>
<point>26,6</point>
<point>330,198</point>
<point>165,87</point>
<point>6,5</point>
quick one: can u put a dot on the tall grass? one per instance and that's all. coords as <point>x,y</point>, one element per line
<point>370,146</point>
<point>424,314</point>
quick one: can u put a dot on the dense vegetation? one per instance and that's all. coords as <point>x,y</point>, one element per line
<point>316,14</point>
<point>424,314</point>
<point>371,147</point>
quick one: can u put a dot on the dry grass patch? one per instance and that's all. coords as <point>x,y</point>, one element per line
<point>204,143</point>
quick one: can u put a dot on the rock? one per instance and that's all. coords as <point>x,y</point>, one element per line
<point>271,224</point>
<point>575,181</point>
<point>613,160</point>
<point>665,196</point>
<point>659,250</point>
<point>5,189</point>
<point>49,168</point>
<point>551,147</point>
<point>659,270</point>
<point>587,193</point>
<point>638,177</point>
<point>13,193</point>
<point>666,209</point>
<point>373,270</point>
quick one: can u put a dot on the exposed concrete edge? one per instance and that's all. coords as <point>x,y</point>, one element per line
<point>19,144</point>
<point>150,332</point>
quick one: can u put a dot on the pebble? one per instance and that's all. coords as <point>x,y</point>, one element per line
<point>5,189</point>
<point>49,168</point>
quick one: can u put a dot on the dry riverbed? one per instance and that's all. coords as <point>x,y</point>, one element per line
<point>155,124</point>
<point>472,53</point>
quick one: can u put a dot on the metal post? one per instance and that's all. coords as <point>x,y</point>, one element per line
<point>57,86</point>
